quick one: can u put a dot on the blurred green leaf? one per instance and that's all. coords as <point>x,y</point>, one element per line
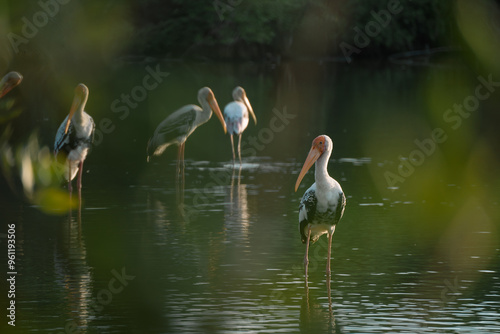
<point>55,201</point>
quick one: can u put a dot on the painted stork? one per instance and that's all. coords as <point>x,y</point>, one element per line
<point>323,204</point>
<point>236,117</point>
<point>177,127</point>
<point>75,136</point>
<point>9,81</point>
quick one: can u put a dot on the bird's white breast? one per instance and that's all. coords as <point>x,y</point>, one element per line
<point>328,195</point>
<point>235,109</point>
<point>78,154</point>
<point>84,129</point>
<point>236,117</point>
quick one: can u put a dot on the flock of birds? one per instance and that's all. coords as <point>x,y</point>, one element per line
<point>320,209</point>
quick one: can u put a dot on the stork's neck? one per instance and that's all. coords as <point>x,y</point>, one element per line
<point>78,116</point>
<point>321,173</point>
<point>207,111</point>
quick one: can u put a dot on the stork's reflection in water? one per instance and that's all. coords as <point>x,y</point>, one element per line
<point>315,316</point>
<point>73,272</point>
<point>237,217</point>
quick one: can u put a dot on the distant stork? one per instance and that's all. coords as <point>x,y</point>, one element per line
<point>9,81</point>
<point>323,203</point>
<point>236,117</point>
<point>177,127</point>
<point>75,136</point>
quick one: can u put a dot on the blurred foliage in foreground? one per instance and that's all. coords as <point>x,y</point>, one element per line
<point>252,29</point>
<point>33,169</point>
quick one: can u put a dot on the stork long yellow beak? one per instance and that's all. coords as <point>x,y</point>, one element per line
<point>215,108</point>
<point>74,107</point>
<point>313,155</point>
<point>250,109</point>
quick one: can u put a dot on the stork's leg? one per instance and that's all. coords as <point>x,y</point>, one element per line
<point>70,189</point>
<point>183,165</point>
<point>179,160</point>
<point>232,147</point>
<point>330,237</point>
<point>79,182</point>
<point>180,182</point>
<point>306,257</point>
<point>239,147</point>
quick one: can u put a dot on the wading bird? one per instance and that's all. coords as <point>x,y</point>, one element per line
<point>236,117</point>
<point>9,81</point>
<point>323,203</point>
<point>75,136</point>
<point>177,127</point>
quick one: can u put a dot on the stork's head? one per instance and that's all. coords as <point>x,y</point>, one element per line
<point>9,81</point>
<point>320,146</point>
<point>240,95</point>
<point>206,95</point>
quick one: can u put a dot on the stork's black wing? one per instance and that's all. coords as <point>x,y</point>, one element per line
<point>65,142</point>
<point>339,212</point>
<point>307,210</point>
<point>179,124</point>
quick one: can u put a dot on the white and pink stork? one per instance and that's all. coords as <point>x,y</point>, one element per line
<point>75,136</point>
<point>323,204</point>
<point>179,125</point>
<point>237,118</point>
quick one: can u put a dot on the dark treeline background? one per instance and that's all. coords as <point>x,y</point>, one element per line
<point>287,28</point>
<point>243,29</point>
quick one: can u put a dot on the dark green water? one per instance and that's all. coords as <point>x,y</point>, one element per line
<point>417,250</point>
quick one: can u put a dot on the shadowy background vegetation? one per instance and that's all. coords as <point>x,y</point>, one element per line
<point>258,29</point>
<point>233,29</point>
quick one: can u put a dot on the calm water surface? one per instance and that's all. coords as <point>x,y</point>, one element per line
<point>421,256</point>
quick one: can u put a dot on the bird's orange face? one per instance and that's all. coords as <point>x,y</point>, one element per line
<point>317,149</point>
<point>319,143</point>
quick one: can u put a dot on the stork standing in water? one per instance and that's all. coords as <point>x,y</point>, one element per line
<point>177,127</point>
<point>323,203</point>
<point>236,117</point>
<point>75,136</point>
<point>9,81</point>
